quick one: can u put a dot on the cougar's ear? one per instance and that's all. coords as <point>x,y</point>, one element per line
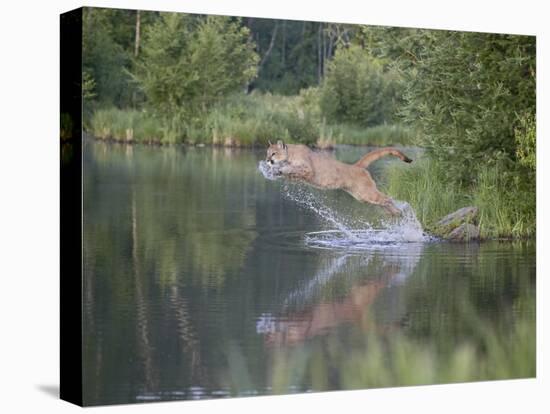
<point>269,142</point>
<point>281,144</point>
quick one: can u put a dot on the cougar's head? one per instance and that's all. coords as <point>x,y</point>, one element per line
<point>276,153</point>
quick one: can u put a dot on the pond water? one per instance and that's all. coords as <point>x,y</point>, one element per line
<point>203,279</point>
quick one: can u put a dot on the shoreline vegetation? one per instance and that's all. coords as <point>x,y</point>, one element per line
<point>467,99</point>
<point>243,121</point>
<point>506,207</point>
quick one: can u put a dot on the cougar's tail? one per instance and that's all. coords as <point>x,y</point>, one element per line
<point>372,156</point>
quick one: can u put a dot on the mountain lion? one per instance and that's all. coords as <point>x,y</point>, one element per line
<point>298,162</point>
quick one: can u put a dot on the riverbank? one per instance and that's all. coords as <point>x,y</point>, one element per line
<point>243,121</point>
<point>507,207</point>
<point>505,211</point>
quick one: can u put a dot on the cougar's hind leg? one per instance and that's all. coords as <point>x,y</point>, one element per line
<point>368,193</point>
<point>391,208</point>
<point>363,188</point>
<point>385,202</point>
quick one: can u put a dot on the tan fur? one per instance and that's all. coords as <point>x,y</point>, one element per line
<point>298,162</point>
<point>372,156</point>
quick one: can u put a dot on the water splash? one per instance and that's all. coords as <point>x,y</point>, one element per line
<point>354,235</point>
<point>345,233</point>
<point>407,228</point>
<point>268,171</point>
<point>304,197</point>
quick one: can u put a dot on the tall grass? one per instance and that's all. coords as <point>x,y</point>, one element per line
<point>506,207</point>
<point>373,136</point>
<point>127,125</point>
<point>259,118</point>
<point>244,120</point>
<point>421,185</point>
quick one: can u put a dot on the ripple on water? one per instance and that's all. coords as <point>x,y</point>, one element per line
<point>371,239</point>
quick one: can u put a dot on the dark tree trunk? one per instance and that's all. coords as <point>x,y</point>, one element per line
<point>270,48</point>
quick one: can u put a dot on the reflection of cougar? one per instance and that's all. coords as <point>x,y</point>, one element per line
<point>298,162</point>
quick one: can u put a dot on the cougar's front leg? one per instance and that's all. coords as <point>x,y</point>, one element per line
<point>285,170</point>
<point>295,172</point>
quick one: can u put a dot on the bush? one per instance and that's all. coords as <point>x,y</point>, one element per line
<point>526,135</point>
<point>506,200</point>
<point>463,94</point>
<point>259,118</point>
<point>241,120</point>
<point>423,186</point>
<point>186,66</point>
<point>103,61</point>
<point>127,125</point>
<point>357,90</point>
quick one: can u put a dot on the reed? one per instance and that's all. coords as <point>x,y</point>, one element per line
<point>506,205</point>
<point>243,120</point>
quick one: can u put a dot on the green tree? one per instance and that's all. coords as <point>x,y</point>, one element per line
<point>187,64</point>
<point>104,59</point>
<point>357,90</point>
<point>464,92</point>
<point>394,47</point>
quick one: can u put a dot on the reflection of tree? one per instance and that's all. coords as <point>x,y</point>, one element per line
<point>187,333</point>
<point>490,286</point>
<point>195,233</point>
<point>154,229</point>
<point>142,318</point>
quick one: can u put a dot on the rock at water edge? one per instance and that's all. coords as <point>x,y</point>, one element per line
<point>464,232</point>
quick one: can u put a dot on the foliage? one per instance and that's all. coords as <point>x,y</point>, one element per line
<point>242,120</point>
<point>103,59</point>
<point>395,47</point>
<point>294,53</point>
<point>88,86</point>
<point>463,93</point>
<point>187,64</point>
<point>127,125</point>
<point>467,98</point>
<point>506,200</point>
<point>526,135</point>
<point>422,185</point>
<point>357,90</point>
<point>379,135</point>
